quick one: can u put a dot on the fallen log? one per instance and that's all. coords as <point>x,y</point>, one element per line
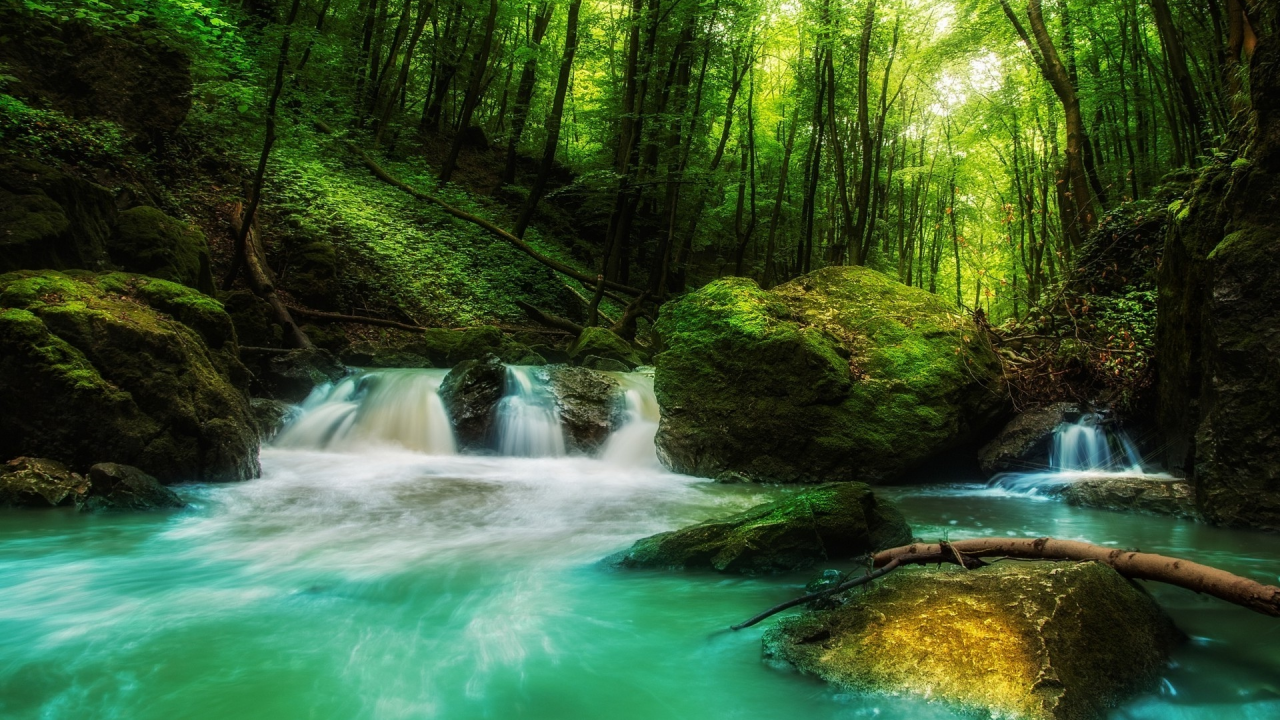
<point>549,320</point>
<point>492,229</point>
<point>1264,599</point>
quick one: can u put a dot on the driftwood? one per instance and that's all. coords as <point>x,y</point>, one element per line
<point>261,283</point>
<point>492,229</point>
<point>549,320</point>
<point>1264,599</point>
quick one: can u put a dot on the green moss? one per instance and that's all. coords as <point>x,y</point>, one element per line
<point>603,343</point>
<point>1043,641</point>
<point>149,242</point>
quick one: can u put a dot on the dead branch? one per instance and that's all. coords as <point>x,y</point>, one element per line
<point>549,320</point>
<point>841,587</point>
<point>261,283</point>
<point>492,229</point>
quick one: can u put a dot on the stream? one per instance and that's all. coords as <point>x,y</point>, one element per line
<point>357,579</point>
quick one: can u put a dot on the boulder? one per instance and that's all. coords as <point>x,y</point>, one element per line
<point>312,276</point>
<point>253,319</point>
<point>842,374</point>
<point>470,393</point>
<point>837,521</point>
<point>590,405</point>
<point>121,487</point>
<point>40,482</point>
<point>1130,493</point>
<point>442,348</point>
<point>603,344</point>
<point>270,417</point>
<point>149,242</point>
<point>121,366</point>
<point>1042,641</point>
<point>1023,444</point>
<point>52,219</point>
<point>290,377</point>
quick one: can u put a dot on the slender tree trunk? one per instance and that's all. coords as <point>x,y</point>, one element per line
<point>863,200</point>
<point>524,91</point>
<point>480,64</point>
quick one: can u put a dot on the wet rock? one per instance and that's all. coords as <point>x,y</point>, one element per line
<point>470,393</point>
<point>832,522</point>
<point>40,482</point>
<point>595,362</point>
<point>1043,641</point>
<point>842,374</point>
<point>603,344</point>
<point>149,242</point>
<point>122,366</point>
<point>270,417</point>
<point>292,376</point>
<point>51,219</point>
<point>1131,493</point>
<point>121,487</point>
<point>1025,441</point>
<point>589,403</point>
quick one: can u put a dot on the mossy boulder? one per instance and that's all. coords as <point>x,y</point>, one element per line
<point>40,482</point>
<point>471,393</point>
<point>122,487</point>
<point>1041,641</point>
<point>253,319</point>
<point>602,343</point>
<point>312,274</point>
<point>51,219</point>
<point>270,417</point>
<point>590,405</point>
<point>1024,442</point>
<point>149,242</point>
<point>125,367</point>
<point>837,521</point>
<point>290,377</point>
<point>443,348</point>
<point>841,374</point>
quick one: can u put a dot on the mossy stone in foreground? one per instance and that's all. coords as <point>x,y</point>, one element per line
<point>1041,641</point>
<point>842,374</point>
<point>831,522</point>
<point>122,368</point>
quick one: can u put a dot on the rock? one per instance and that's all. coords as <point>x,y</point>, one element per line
<point>329,337</point>
<point>590,405</point>
<point>595,362</point>
<point>313,272</point>
<point>470,393</point>
<point>441,348</point>
<point>253,319</point>
<point>149,242</point>
<point>121,487</point>
<point>1130,493</point>
<point>140,370</point>
<point>52,219</point>
<point>292,376</point>
<point>269,417</point>
<point>841,374</point>
<point>1042,641</point>
<point>552,354</point>
<point>39,482</point>
<point>1024,443</point>
<point>832,522</point>
<point>600,343</point>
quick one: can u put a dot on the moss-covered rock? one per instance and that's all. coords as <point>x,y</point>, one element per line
<point>312,274</point>
<point>121,487</point>
<point>590,404</point>
<point>40,482</point>
<point>126,367</point>
<point>444,348</point>
<point>842,374</point>
<point>270,417</point>
<point>603,343</point>
<point>1024,442</point>
<point>290,377</point>
<point>470,393</point>
<point>831,522</point>
<point>50,219</point>
<point>149,242</point>
<point>253,319</point>
<point>1042,641</point>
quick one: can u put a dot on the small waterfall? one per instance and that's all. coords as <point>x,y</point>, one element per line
<point>377,408</point>
<point>1086,448</point>
<point>528,423</point>
<point>632,443</point>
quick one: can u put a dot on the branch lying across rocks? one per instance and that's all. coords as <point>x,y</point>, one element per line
<point>549,320</point>
<point>492,229</point>
<point>1264,599</point>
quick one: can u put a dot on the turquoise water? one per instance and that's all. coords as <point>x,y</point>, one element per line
<point>394,585</point>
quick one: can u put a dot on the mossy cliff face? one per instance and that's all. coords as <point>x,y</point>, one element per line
<point>832,522</point>
<point>1040,641</point>
<point>122,368</point>
<point>842,374</point>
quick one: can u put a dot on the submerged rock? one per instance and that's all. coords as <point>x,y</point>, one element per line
<point>841,374</point>
<point>470,393</point>
<point>40,482</point>
<point>589,403</point>
<point>832,522</point>
<point>1042,641</point>
<point>1131,493</point>
<point>1025,441</point>
<point>122,487</point>
<point>126,367</point>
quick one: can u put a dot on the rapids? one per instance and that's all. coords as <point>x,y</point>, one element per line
<point>376,575</point>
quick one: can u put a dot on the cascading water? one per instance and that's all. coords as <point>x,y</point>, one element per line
<point>1086,448</point>
<point>528,421</point>
<point>632,443</point>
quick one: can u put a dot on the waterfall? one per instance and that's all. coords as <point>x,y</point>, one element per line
<point>1086,448</point>
<point>632,443</point>
<point>528,423</point>
<point>372,409</point>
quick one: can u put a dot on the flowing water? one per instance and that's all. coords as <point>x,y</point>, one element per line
<point>371,573</point>
<point>1086,448</point>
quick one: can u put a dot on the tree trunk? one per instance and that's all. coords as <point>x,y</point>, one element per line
<point>479,65</point>
<point>524,91</point>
